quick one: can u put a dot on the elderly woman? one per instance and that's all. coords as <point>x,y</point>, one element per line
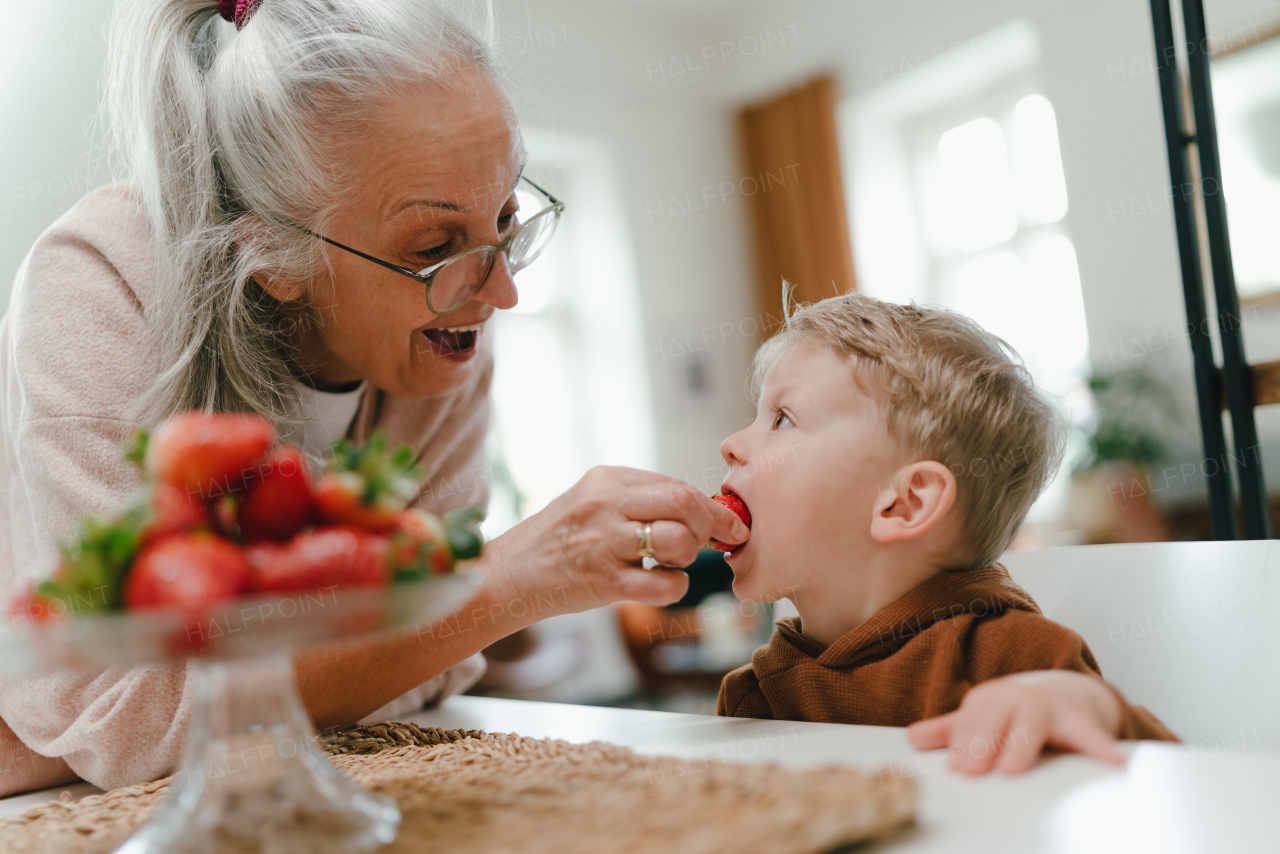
<point>318,220</point>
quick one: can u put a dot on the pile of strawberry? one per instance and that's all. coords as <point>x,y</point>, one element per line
<point>224,511</point>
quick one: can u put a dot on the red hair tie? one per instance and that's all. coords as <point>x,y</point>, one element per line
<point>237,12</point>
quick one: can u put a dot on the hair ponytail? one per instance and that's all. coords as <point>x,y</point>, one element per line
<point>216,130</point>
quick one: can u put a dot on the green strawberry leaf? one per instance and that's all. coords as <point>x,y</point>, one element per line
<point>464,544</point>
<point>369,495</point>
<point>418,570</point>
<point>464,516</point>
<point>462,530</point>
<point>137,450</point>
<point>402,457</point>
<point>345,454</point>
<point>383,477</point>
<point>94,568</point>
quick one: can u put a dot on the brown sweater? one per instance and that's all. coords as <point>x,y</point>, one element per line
<point>915,659</point>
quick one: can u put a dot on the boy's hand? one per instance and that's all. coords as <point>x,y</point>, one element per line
<point>1006,722</point>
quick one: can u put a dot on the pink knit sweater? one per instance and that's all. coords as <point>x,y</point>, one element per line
<point>71,364</point>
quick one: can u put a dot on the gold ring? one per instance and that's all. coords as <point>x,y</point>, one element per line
<point>644,533</point>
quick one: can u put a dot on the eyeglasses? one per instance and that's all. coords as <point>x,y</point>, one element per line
<point>452,283</point>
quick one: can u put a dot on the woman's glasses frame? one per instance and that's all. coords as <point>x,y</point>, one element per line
<point>427,275</point>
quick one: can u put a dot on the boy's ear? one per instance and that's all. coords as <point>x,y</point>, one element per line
<point>918,499</point>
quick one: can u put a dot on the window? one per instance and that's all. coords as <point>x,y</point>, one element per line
<point>570,384</point>
<point>1246,97</point>
<point>959,198</point>
<point>570,391</point>
<point>994,195</point>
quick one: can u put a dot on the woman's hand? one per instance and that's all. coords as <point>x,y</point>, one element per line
<point>1006,722</point>
<point>584,545</point>
<point>579,552</point>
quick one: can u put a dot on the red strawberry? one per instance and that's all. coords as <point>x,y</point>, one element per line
<point>420,546</point>
<point>321,557</point>
<point>366,487</point>
<point>737,505</point>
<point>33,607</point>
<point>207,454</point>
<point>170,509</point>
<point>188,571</point>
<point>223,511</point>
<point>277,503</point>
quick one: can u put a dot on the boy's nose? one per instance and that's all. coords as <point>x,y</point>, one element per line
<point>733,449</point>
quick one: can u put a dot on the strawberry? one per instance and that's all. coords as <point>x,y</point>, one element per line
<point>223,510</point>
<point>33,607</point>
<point>423,545</point>
<point>277,503</point>
<point>190,571</point>
<point>207,454</point>
<point>169,509</point>
<point>419,546</point>
<point>334,555</point>
<point>90,575</point>
<point>364,486</point>
<point>736,504</point>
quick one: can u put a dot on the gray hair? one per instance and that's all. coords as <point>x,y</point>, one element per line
<point>220,132</point>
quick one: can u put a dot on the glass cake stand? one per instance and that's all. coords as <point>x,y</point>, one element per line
<point>253,777</point>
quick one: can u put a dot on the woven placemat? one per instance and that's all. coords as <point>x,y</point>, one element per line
<point>465,791</point>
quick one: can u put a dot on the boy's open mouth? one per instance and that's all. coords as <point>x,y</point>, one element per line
<point>734,502</point>
<point>746,520</point>
<point>454,342</point>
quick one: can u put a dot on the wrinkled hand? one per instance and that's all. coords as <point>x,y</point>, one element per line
<point>582,550</point>
<point>1006,723</point>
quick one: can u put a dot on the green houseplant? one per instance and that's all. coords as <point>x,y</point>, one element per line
<point>1112,496</point>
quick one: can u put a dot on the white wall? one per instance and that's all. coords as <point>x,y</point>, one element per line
<point>50,57</point>
<point>589,69</point>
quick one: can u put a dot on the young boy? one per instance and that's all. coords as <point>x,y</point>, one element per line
<point>895,453</point>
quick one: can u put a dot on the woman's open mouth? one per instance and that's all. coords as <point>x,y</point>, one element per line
<point>456,343</point>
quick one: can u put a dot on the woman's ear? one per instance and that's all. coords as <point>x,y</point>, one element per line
<point>918,499</point>
<point>280,288</point>
<point>251,233</point>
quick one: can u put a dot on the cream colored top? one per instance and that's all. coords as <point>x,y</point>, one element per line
<point>328,415</point>
<point>71,363</point>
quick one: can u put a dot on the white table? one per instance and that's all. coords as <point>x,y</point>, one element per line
<point>1168,798</point>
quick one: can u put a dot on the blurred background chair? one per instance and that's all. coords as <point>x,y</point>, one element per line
<point>1188,630</point>
<point>636,655</point>
<point>687,647</point>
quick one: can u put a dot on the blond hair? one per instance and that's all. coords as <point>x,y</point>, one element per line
<point>949,391</point>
